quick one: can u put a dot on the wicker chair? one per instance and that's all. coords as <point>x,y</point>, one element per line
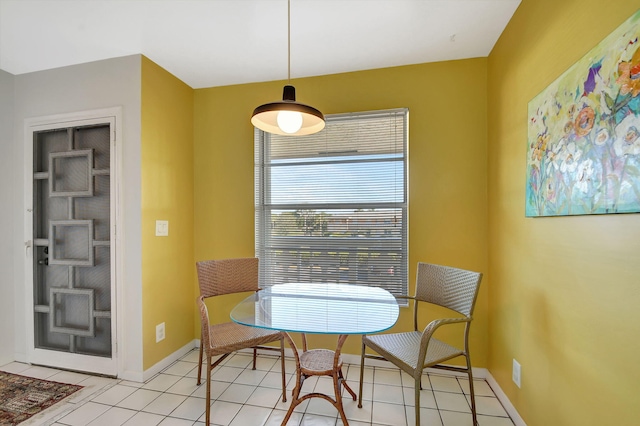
<point>413,351</point>
<point>226,276</point>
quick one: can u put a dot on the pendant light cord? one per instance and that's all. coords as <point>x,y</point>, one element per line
<point>289,41</point>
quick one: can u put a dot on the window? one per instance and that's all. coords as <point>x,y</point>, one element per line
<point>332,207</point>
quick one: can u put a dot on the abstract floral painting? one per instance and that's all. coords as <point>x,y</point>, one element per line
<point>583,154</point>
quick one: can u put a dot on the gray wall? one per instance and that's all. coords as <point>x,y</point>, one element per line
<point>95,85</point>
<point>8,192</point>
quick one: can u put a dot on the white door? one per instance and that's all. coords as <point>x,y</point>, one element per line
<point>71,280</point>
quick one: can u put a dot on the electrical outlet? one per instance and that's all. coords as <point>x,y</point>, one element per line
<point>162,228</point>
<point>159,332</point>
<point>516,372</point>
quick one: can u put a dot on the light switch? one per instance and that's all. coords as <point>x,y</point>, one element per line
<point>162,228</point>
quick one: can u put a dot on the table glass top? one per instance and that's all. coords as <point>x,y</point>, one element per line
<point>319,308</point>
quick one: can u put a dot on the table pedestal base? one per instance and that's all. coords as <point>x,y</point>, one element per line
<point>319,362</point>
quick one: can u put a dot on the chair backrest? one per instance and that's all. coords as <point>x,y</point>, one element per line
<point>226,276</point>
<point>452,288</point>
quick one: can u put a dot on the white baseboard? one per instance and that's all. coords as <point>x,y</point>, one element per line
<point>159,366</point>
<point>502,397</point>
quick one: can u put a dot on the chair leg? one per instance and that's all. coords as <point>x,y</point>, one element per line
<point>208,397</point>
<point>255,355</point>
<point>284,380</point>
<point>472,392</point>
<point>200,363</point>
<point>416,388</point>
<point>361,375</point>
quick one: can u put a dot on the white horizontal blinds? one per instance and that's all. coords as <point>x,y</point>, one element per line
<point>332,207</point>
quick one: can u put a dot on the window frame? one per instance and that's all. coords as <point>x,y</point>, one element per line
<point>263,210</point>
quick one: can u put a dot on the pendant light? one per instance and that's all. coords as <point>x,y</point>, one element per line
<point>288,117</point>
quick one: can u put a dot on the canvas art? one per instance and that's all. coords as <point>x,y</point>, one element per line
<point>583,154</point>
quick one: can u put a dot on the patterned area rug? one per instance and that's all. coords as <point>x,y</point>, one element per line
<point>22,397</point>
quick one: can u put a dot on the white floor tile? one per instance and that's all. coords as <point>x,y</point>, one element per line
<point>39,372</point>
<point>250,415</point>
<point>321,407</point>
<point>144,419</point>
<point>172,421</point>
<point>273,379</point>
<point>494,421</point>
<point>139,399</point>
<point>237,393</point>
<point>265,397</point>
<point>324,385</point>
<point>91,386</point>
<point>427,400</point>
<point>114,416</point>
<point>191,408</point>
<point>185,386</point>
<point>489,406</point>
<point>428,417</point>
<point>367,391</point>
<point>387,376</point>
<point>277,416</point>
<point>454,418</point>
<point>222,413</point>
<point>164,404</point>
<point>84,415</point>
<point>388,393</point>
<point>266,363</point>
<point>445,384</point>
<point>451,402</point>
<point>68,377</point>
<point>193,373</point>
<point>239,361</point>
<point>289,366</point>
<point>480,387</point>
<point>352,411</point>
<point>216,390</point>
<point>407,381</point>
<point>15,367</point>
<point>300,408</point>
<point>180,368</point>
<point>353,374</point>
<point>389,414</point>
<point>114,395</point>
<point>315,420</point>
<point>161,382</point>
<point>252,377</point>
<point>192,356</point>
<point>224,373</point>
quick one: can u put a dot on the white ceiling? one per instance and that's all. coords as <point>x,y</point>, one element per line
<point>209,43</point>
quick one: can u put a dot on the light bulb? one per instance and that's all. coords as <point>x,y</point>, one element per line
<point>289,121</point>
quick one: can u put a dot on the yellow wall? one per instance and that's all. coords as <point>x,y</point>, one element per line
<point>168,272</point>
<point>565,291</point>
<point>447,166</point>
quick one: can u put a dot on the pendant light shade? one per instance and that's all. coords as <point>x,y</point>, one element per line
<point>288,117</point>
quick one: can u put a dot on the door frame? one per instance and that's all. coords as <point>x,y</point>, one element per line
<point>111,366</point>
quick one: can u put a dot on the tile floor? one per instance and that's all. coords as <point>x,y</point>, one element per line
<point>244,397</point>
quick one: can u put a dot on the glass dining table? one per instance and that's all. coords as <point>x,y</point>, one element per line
<point>319,308</point>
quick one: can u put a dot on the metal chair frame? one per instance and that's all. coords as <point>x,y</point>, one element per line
<point>412,352</point>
